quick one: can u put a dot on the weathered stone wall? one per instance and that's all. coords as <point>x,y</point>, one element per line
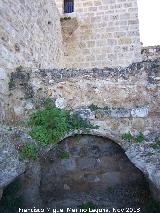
<point>30,36</point>
<point>128,98</point>
<point>101,33</point>
<point>151,52</point>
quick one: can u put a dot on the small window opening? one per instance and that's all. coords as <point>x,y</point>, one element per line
<point>68,6</point>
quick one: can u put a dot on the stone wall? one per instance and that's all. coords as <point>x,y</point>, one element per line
<point>129,96</point>
<point>125,99</point>
<point>101,33</point>
<point>30,36</point>
<point>151,52</point>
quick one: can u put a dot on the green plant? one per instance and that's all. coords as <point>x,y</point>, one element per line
<point>130,138</point>
<point>127,137</point>
<point>11,200</point>
<point>63,155</point>
<point>155,145</point>
<point>48,103</point>
<point>49,126</point>
<point>29,151</point>
<point>139,138</point>
<point>88,206</point>
<point>93,107</point>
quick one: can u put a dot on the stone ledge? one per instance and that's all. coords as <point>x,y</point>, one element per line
<point>138,112</point>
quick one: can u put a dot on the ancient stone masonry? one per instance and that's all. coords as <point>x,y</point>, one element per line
<point>81,62</point>
<point>100,33</point>
<point>30,36</point>
<point>131,93</point>
<point>126,99</point>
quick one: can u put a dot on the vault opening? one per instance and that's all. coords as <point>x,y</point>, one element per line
<point>81,170</point>
<point>90,169</point>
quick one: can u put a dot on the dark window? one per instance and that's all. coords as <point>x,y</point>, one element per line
<point>68,6</point>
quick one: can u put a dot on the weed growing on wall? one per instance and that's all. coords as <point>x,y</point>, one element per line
<point>50,125</point>
<point>135,139</point>
<point>156,145</point>
<point>29,151</point>
<point>127,137</point>
<point>94,107</point>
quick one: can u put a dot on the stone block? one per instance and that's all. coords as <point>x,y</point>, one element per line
<point>139,112</point>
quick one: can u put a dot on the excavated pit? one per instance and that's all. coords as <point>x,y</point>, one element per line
<point>84,169</point>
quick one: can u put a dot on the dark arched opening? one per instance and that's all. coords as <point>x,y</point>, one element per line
<point>89,169</point>
<point>81,171</point>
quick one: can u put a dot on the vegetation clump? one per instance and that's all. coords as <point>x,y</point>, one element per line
<point>29,151</point>
<point>135,139</point>
<point>50,125</point>
<point>94,107</point>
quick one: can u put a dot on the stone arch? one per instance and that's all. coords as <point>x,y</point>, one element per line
<point>94,165</point>
<point>97,166</point>
<point>32,178</point>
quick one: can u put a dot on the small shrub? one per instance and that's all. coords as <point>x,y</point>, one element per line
<point>93,107</point>
<point>155,145</point>
<point>130,138</point>
<point>139,138</point>
<point>29,151</point>
<point>127,137</point>
<point>49,126</point>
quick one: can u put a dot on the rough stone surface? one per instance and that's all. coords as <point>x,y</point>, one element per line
<point>96,169</point>
<point>10,165</point>
<point>30,36</point>
<point>126,99</point>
